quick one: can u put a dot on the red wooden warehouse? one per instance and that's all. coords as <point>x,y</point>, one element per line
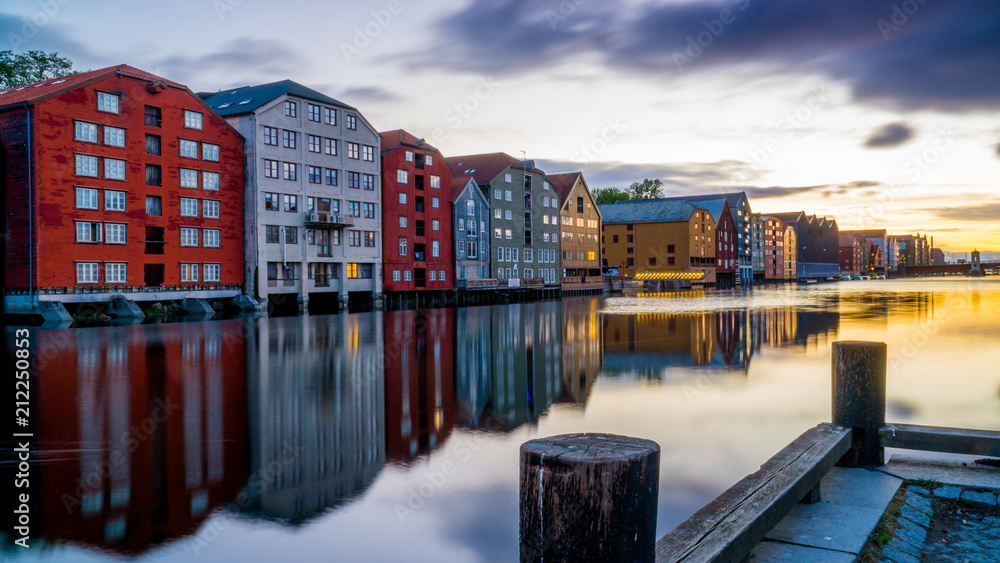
<point>116,182</point>
<point>416,215</point>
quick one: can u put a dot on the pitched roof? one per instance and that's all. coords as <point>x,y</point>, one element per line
<point>647,211</point>
<point>458,184</point>
<point>400,137</point>
<point>246,99</point>
<point>790,216</point>
<point>714,206</point>
<point>847,240</point>
<point>44,89</point>
<point>732,197</point>
<point>563,183</point>
<point>876,233</point>
<point>485,167</point>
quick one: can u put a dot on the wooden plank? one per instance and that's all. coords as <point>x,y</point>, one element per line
<point>729,527</point>
<point>939,439</point>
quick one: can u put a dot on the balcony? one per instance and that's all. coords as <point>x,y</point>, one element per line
<point>328,220</point>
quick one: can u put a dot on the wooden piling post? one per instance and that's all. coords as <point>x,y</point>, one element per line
<point>859,398</point>
<point>589,497</point>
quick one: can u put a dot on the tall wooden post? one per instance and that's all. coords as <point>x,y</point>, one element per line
<point>589,497</point>
<point>859,398</point>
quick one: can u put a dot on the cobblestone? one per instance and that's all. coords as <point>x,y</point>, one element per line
<point>964,533</point>
<point>897,556</point>
<point>915,516</point>
<point>948,492</point>
<point>988,499</point>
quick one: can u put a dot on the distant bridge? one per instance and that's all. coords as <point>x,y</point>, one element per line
<point>961,269</point>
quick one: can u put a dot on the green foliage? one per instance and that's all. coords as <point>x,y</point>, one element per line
<point>33,66</point>
<point>926,483</point>
<point>646,189</point>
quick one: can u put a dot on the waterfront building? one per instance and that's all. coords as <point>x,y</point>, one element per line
<point>470,223</point>
<point>850,255</point>
<point>791,253</point>
<point>580,231</point>
<point>727,263</point>
<point>524,225</point>
<point>757,246</point>
<point>659,236</point>
<point>937,257</point>
<point>117,182</point>
<point>818,247</point>
<point>416,215</point>
<point>774,248</point>
<point>739,209</point>
<point>313,217</point>
<point>876,260</point>
<point>913,250</point>
<point>877,237</point>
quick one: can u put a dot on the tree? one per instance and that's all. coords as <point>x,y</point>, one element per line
<point>646,189</point>
<point>34,66</point>
<point>609,195</point>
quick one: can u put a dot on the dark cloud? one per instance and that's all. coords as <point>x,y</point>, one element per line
<point>890,135</point>
<point>239,62</point>
<point>998,150</point>
<point>982,212</point>
<point>21,35</point>
<point>944,55</point>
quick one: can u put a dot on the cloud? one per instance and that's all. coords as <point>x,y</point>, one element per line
<point>998,150</point>
<point>240,62</point>
<point>674,175</point>
<point>890,135</point>
<point>362,95</point>
<point>982,212</point>
<point>942,56</point>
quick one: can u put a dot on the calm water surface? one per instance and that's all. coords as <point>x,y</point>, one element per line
<point>393,436</point>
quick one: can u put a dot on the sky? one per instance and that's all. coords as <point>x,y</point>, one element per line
<point>881,114</point>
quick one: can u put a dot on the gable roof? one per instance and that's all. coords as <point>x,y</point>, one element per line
<point>460,183</point>
<point>400,137</point>
<point>732,197</point>
<point>563,183</point>
<point>790,216</point>
<point>485,167</point>
<point>714,206</point>
<point>647,211</point>
<point>45,89</point>
<point>246,99</point>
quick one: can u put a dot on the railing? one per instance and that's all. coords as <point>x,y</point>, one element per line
<point>587,497</point>
<point>477,284</point>
<point>328,220</point>
<point>85,289</point>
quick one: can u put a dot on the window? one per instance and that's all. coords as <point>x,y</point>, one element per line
<point>368,181</point>
<point>153,144</point>
<point>272,234</point>
<point>114,233</point>
<point>528,255</point>
<point>369,211</point>
<point>189,207</point>
<point>354,180</point>
<point>291,108</point>
<point>370,238</point>
<point>114,200</point>
<point>353,150</point>
<point>472,246</point>
<point>189,149</point>
<point>192,119</point>
<point>433,275</point>
<point>329,116</point>
<point>507,178</point>
<point>270,136</point>
<point>291,202</point>
<point>352,122</point>
<point>436,225</point>
<point>189,178</point>
<point>154,206</point>
<point>354,238</point>
<point>114,169</point>
<point>288,139</point>
<point>408,155</point>
<point>114,272</point>
<point>402,222</point>
<point>211,238</point>
<point>402,247</point>
<point>314,143</point>
<point>435,180</point>
<point>507,234</point>
<point>497,233</point>
<point>86,272</point>
<point>435,249</point>
<point>272,270</point>
<point>86,132</point>
<point>368,153</point>
<point>153,116</point>
<point>291,235</point>
<point>189,272</point>
<point>506,214</point>
<point>189,236</point>
<point>86,198</point>
<point>435,202</point>
<point>86,165</point>
<point>402,198</point>
<point>330,146</point>
<point>496,194</point>
<point>507,195</point>
<point>430,160</point>
<point>210,152</point>
<point>210,181</point>
<point>107,102</point>
<point>402,176</point>
<point>154,175</point>
<point>315,174</point>
<point>212,272</point>
<point>331,177</point>
<point>210,209</point>
<point>354,208</point>
<point>395,275</point>
<point>313,112</point>
<point>289,170</point>
<point>271,202</point>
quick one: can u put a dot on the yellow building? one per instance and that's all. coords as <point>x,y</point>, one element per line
<point>580,231</point>
<point>791,251</point>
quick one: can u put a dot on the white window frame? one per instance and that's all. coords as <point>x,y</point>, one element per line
<point>112,167</point>
<point>435,202</point>
<point>116,196</point>
<point>435,179</point>
<point>87,198</point>
<point>88,272</point>
<point>208,205</point>
<point>211,238</point>
<point>435,249</point>
<point>408,156</point>
<point>187,148</point>
<point>185,176</point>
<point>87,165</point>
<point>211,272</point>
<point>402,176</point>
<point>210,181</point>
<point>210,152</point>
<point>193,120</point>
<point>189,272</point>
<point>85,131</point>
<point>115,233</point>
<point>114,136</point>
<point>87,230</point>
<point>189,236</point>
<point>115,272</point>
<point>108,103</point>
<point>187,204</point>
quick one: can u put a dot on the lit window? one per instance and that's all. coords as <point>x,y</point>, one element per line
<point>210,209</point>
<point>189,149</point>
<point>86,165</point>
<point>435,180</point>
<point>86,198</point>
<point>189,236</point>
<point>402,247</point>
<point>114,200</point>
<point>192,119</point>
<point>107,102</point>
<point>86,272</point>
<point>86,132</point>
<point>329,116</point>
<point>498,213</point>
<point>114,169</point>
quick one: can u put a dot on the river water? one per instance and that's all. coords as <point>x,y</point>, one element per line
<point>394,436</point>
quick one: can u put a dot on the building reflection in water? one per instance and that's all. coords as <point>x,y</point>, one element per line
<point>143,433</point>
<point>582,348</point>
<point>317,413</point>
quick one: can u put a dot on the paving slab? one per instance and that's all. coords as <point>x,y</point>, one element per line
<point>777,552</point>
<point>988,499</point>
<point>828,526</point>
<point>949,472</point>
<point>859,487</point>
